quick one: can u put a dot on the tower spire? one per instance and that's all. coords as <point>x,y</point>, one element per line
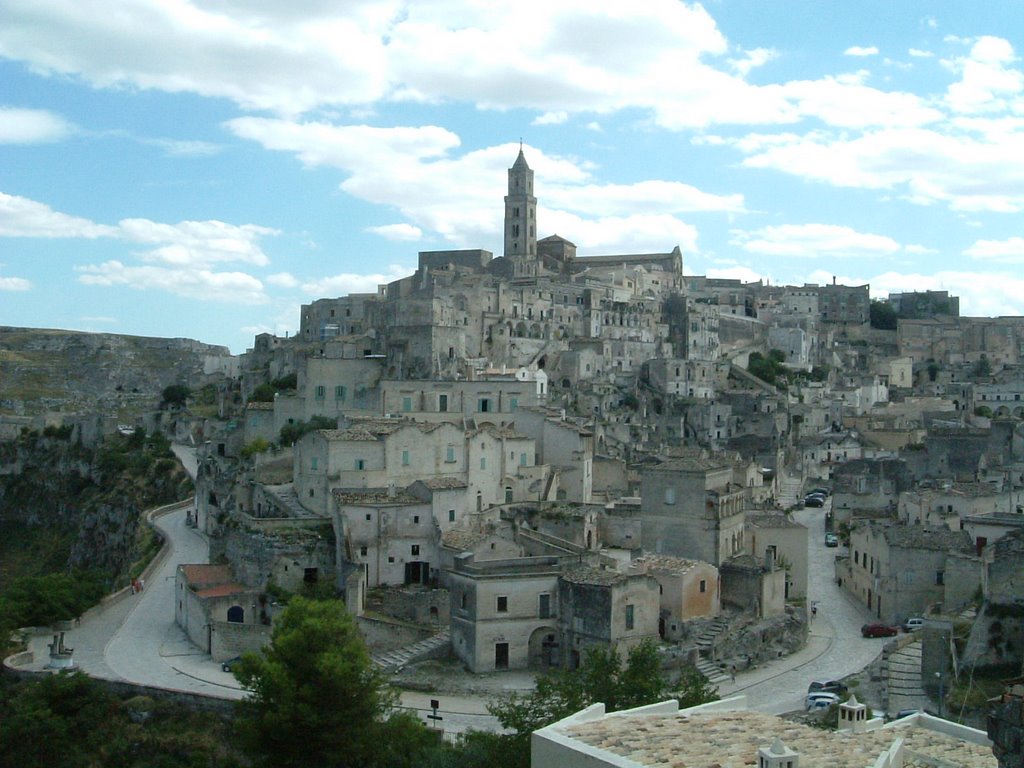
<point>521,217</point>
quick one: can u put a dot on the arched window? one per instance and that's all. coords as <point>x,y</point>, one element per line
<point>236,614</point>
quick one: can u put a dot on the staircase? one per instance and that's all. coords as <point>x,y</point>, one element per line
<point>433,647</point>
<point>714,673</point>
<point>904,679</point>
<point>790,491</point>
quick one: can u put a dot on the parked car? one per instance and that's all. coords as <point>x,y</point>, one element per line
<point>838,687</point>
<point>818,492</point>
<point>905,713</point>
<point>820,700</point>
<point>913,623</point>
<point>230,664</point>
<point>878,630</point>
<point>831,540</point>
<point>812,500</point>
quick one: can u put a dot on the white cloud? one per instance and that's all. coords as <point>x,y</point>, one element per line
<point>21,217</point>
<point>14,284</point>
<point>966,172</point>
<point>399,232</point>
<point>283,280</point>
<point>642,197</point>
<point>180,148</point>
<point>982,294</point>
<point>753,59</point>
<point>350,282</point>
<point>551,118</point>
<point>860,50</point>
<point>919,54</point>
<point>31,126</point>
<point>197,243</point>
<point>987,78</point>
<point>202,284</point>
<point>814,240</point>
<point>1010,251</point>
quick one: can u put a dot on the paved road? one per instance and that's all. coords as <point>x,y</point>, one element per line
<point>835,648</point>
<point>136,639</point>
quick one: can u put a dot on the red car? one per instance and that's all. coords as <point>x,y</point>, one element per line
<point>878,630</point>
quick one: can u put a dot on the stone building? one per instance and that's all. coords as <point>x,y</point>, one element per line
<point>220,616</point>
<point>692,508</point>
<point>785,540</point>
<point>897,571</point>
<point>689,589</point>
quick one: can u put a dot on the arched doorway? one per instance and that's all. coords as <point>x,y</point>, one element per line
<point>544,648</point>
<point>236,614</point>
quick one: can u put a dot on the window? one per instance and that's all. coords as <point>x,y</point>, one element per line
<point>670,495</point>
<point>451,515</point>
<point>508,495</point>
<point>484,405</point>
<point>483,462</point>
<point>363,551</point>
<point>391,559</point>
<point>406,404</point>
<point>940,578</point>
<point>513,403</point>
<point>502,604</point>
<point>703,585</point>
<point>321,391</point>
<point>339,393</point>
<point>449,454</point>
<point>360,464</point>
<point>405,458</point>
<point>463,600</point>
<point>313,463</point>
<point>442,403</point>
<point>544,605</point>
<point>367,515</point>
<point>414,549</point>
<point>629,617</point>
<point>522,459</point>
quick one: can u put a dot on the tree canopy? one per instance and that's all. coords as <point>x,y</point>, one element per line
<point>317,699</point>
<point>602,677</point>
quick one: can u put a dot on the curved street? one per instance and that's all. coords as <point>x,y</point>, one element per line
<point>135,638</point>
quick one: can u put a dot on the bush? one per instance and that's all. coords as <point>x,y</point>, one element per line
<point>258,445</point>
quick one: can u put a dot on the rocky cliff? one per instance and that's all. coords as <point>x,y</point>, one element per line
<point>52,371</point>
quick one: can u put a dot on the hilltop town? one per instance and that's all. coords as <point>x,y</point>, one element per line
<point>510,459</point>
<point>529,454</point>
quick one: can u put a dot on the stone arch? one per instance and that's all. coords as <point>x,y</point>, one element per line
<point>236,614</point>
<point>521,329</point>
<point>544,648</point>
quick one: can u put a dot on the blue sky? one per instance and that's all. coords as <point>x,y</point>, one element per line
<point>178,168</point>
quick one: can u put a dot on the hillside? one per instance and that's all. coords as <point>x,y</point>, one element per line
<point>46,371</point>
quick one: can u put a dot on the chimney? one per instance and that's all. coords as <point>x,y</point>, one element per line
<point>778,755</point>
<point>853,716</point>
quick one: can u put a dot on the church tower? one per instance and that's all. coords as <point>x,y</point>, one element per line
<point>521,218</point>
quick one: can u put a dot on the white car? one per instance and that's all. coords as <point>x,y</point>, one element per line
<point>913,624</point>
<point>820,700</point>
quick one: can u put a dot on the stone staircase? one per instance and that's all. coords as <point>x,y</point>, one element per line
<point>432,647</point>
<point>714,673</point>
<point>903,678</point>
<point>790,491</point>
<point>287,499</point>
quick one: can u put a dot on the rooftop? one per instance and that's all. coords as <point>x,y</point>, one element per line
<point>731,739</point>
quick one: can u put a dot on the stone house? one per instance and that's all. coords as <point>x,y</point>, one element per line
<point>391,535</point>
<point>897,571</point>
<point>493,400</point>
<point>692,508</point>
<point>504,613</point>
<point>868,484</point>
<point>563,445</point>
<point>819,454</point>
<point>688,589</point>
<point>220,616</point>
<point>787,541</point>
<point>481,545</point>
<point>259,422</point>
<point>603,607</point>
<point>950,504</point>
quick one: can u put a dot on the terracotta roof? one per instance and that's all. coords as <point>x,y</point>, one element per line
<point>222,590</point>
<point>675,565</point>
<point>462,539</point>
<point>206,574</point>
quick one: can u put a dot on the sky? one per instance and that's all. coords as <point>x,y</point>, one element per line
<point>202,169</point>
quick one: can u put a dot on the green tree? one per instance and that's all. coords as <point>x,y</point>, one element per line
<point>601,678</point>
<point>176,394</point>
<point>263,393</point>
<point>317,699</point>
<point>882,315</point>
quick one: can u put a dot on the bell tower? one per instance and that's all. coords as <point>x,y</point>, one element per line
<point>521,218</point>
